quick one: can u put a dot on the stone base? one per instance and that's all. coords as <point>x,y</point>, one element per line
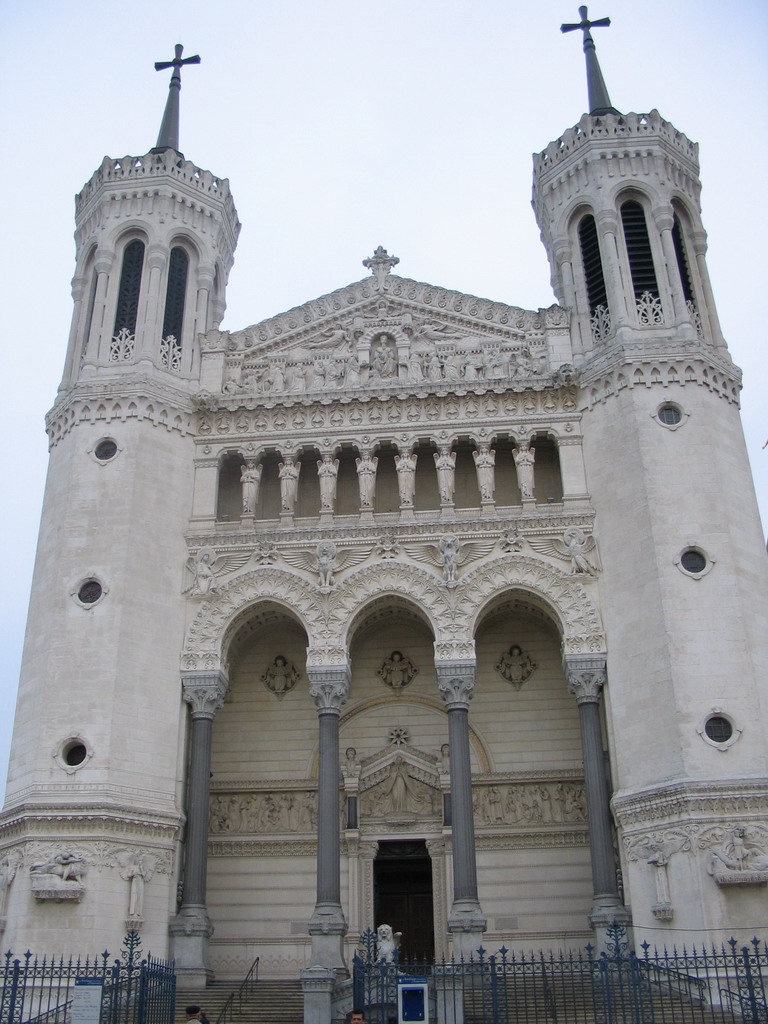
<point>607,911</point>
<point>52,887</point>
<point>328,927</point>
<point>467,925</point>
<point>317,984</point>
<point>726,877</point>
<point>190,931</point>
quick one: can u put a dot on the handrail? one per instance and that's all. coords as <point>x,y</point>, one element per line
<point>225,1014</point>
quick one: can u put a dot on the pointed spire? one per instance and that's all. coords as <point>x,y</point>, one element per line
<point>599,100</point>
<point>169,129</point>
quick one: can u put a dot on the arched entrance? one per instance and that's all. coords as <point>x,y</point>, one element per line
<point>402,894</point>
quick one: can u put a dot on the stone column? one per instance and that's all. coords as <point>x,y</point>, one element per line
<point>586,677</point>
<point>191,928</point>
<point>328,687</point>
<point>466,922</point>
<point>607,224</point>
<point>664,222</point>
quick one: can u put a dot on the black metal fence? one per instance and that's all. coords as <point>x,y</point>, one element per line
<point>619,986</point>
<point>131,989</point>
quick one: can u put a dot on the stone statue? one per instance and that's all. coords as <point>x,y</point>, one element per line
<point>485,461</point>
<point>281,676</point>
<point>250,478</point>
<point>289,483</point>
<point>66,865</point>
<point>387,944</point>
<point>9,865</point>
<point>352,372</point>
<point>325,553</point>
<point>136,868</point>
<point>435,369</point>
<point>206,567</point>
<point>574,547</point>
<point>524,457</point>
<point>384,359</point>
<point>445,462</point>
<point>398,786</point>
<point>397,670</point>
<point>366,476</point>
<point>449,547</point>
<point>406,477</point>
<point>415,368</point>
<point>515,666</point>
<point>327,471</point>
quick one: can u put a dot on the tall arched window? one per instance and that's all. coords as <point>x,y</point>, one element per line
<point>173,320</point>
<point>684,269</point>
<point>641,268</point>
<point>88,323</point>
<point>127,310</point>
<point>593,276</point>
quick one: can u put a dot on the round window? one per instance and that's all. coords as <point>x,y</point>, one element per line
<point>718,729</point>
<point>90,591</point>
<point>669,415</point>
<point>74,753</point>
<point>693,561</point>
<point>105,450</point>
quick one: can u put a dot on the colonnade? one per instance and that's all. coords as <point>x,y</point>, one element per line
<point>329,689</point>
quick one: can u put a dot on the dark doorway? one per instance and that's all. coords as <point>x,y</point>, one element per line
<point>402,887</point>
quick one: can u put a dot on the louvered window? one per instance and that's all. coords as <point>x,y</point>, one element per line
<point>638,249</point>
<point>178,267</point>
<point>682,260</point>
<point>593,267</point>
<point>130,286</point>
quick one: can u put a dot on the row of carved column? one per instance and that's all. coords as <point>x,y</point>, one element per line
<point>329,688</point>
<point>405,464</point>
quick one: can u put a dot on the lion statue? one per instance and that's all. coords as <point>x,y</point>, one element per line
<point>387,942</point>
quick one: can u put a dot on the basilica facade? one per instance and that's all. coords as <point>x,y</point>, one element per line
<point>403,605</point>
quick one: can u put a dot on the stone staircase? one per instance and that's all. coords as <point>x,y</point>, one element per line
<point>270,1002</point>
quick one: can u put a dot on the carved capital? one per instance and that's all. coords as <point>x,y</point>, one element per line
<point>586,678</point>
<point>328,687</point>
<point>456,683</point>
<point>204,692</point>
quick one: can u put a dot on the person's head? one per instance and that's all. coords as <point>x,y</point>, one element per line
<point>193,1012</point>
<point>356,1017</point>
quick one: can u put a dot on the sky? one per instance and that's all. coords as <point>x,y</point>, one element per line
<point>343,126</point>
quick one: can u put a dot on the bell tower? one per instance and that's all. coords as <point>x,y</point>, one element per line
<point>94,802</point>
<point>683,586</point>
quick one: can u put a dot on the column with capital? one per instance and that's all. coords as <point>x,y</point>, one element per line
<point>191,928</point>
<point>328,687</point>
<point>466,921</point>
<point>586,677</point>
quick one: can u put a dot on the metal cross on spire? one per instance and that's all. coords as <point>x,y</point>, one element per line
<point>169,129</point>
<point>599,101</point>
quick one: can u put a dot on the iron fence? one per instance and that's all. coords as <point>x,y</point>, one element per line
<point>725,985</point>
<point>131,989</point>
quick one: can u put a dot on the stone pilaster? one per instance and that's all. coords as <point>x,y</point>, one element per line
<point>191,928</point>
<point>586,677</point>
<point>466,922</point>
<point>328,687</point>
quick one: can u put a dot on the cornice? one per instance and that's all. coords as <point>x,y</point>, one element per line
<point>690,801</point>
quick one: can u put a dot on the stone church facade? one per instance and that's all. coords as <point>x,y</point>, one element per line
<point>402,605</point>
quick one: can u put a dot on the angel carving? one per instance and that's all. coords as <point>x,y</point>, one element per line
<point>206,568</point>
<point>449,553</point>
<point>136,868</point>
<point>325,560</point>
<point>574,547</point>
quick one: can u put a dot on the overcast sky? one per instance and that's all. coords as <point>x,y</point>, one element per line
<point>343,125</point>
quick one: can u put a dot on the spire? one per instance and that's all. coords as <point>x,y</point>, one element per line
<point>599,100</point>
<point>169,129</point>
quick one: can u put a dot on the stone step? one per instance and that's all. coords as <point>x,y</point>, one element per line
<point>269,1002</point>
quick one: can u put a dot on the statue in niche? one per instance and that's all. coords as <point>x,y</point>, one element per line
<point>206,567</point>
<point>485,462</point>
<point>65,865</point>
<point>406,477</point>
<point>394,795</point>
<point>281,676</point>
<point>435,369</point>
<point>250,478</point>
<point>366,475</point>
<point>350,768</point>
<point>325,553</point>
<point>136,868</point>
<point>415,368</point>
<point>524,457</point>
<point>445,758</point>
<point>327,471</point>
<point>449,546</point>
<point>9,865</point>
<point>574,547</point>
<point>515,666</point>
<point>445,463</point>
<point>352,372</point>
<point>397,671</point>
<point>738,854</point>
<point>384,359</point>
<point>289,483</point>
